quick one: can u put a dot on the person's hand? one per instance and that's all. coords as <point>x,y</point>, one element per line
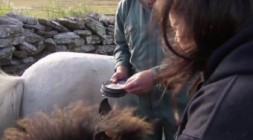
<point>121,73</point>
<point>140,83</point>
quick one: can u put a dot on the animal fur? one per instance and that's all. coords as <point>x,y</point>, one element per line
<point>81,122</point>
<point>49,81</point>
<point>10,99</point>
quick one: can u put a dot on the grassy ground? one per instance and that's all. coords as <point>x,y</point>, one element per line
<point>58,8</point>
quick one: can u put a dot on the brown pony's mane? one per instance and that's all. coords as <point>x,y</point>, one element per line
<point>81,122</point>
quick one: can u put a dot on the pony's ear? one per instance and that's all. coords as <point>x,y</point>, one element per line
<point>104,107</point>
<point>101,136</point>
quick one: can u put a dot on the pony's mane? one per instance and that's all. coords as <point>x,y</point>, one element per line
<point>80,122</point>
<point>121,124</point>
<point>10,99</point>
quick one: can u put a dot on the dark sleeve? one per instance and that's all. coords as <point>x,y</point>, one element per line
<point>220,111</point>
<point>121,52</point>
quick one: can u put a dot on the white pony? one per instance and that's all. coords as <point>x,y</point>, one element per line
<point>55,80</point>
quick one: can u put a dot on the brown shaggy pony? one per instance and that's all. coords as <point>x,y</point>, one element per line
<point>80,122</point>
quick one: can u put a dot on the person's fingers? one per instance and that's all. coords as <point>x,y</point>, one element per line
<point>135,90</point>
<point>129,80</point>
<point>130,84</point>
<point>114,78</point>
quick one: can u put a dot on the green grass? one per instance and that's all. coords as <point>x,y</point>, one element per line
<point>4,8</point>
<point>51,9</point>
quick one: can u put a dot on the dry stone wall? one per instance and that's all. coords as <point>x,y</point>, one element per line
<point>24,40</point>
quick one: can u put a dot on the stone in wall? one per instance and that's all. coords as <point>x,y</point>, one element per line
<point>85,49</point>
<point>106,49</point>
<point>31,37</point>
<point>93,39</point>
<point>65,38</point>
<point>6,42</point>
<point>24,40</point>
<point>47,34</point>
<point>24,19</point>
<point>6,55</point>
<point>71,24</point>
<point>83,33</point>
<point>95,26</point>
<point>53,24</point>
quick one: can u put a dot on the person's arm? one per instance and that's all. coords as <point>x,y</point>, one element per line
<point>154,71</point>
<point>121,52</point>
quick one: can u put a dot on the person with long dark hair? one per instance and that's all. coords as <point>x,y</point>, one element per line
<point>213,38</point>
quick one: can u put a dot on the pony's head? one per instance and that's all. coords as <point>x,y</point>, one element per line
<point>81,122</point>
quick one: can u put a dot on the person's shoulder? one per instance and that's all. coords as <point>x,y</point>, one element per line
<point>124,6</point>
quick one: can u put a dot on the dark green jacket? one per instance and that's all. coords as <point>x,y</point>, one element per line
<point>137,42</point>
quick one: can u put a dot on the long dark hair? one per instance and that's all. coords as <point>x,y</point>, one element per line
<point>210,23</point>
